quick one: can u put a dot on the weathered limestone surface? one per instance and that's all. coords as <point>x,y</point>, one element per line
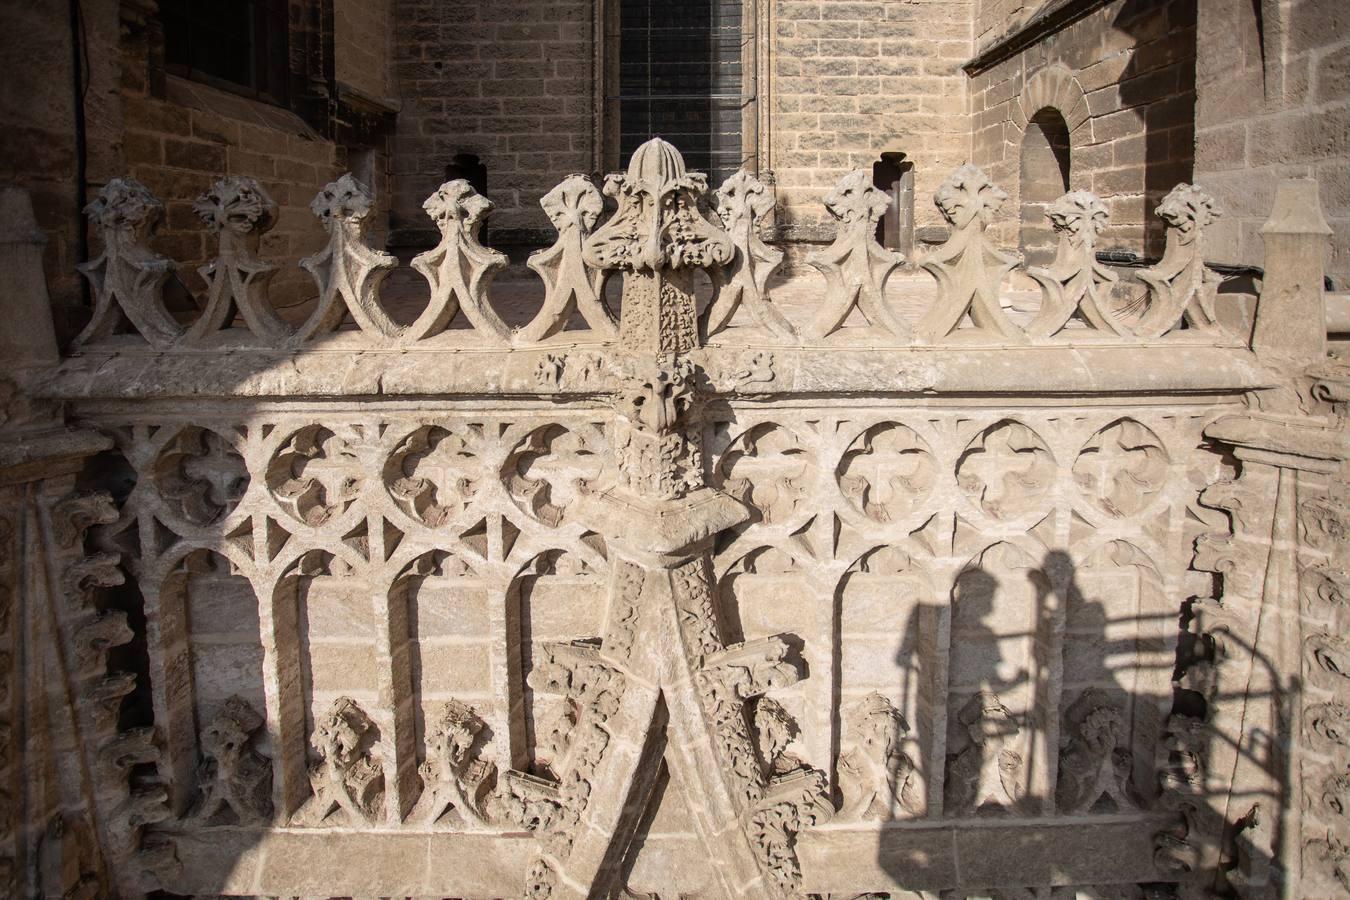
<point>689,597</point>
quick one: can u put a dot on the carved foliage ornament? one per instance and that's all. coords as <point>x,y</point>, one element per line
<point>234,779</point>
<point>968,268</point>
<point>742,202</point>
<point>459,269</point>
<point>347,780</point>
<point>239,211</point>
<point>1075,284</point>
<point>659,452</point>
<point>128,277</point>
<point>658,224</point>
<point>455,779</point>
<point>569,284</point>
<point>1180,288</point>
<point>875,774</point>
<point>855,266</point>
<point>347,271</point>
<point>988,772</point>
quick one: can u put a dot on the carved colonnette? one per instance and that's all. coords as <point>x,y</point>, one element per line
<point>593,612</point>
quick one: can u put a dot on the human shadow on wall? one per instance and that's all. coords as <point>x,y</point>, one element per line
<point>1041,718</point>
<point>1158,83</point>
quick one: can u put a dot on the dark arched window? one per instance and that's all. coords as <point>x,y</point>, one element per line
<point>1044,177</point>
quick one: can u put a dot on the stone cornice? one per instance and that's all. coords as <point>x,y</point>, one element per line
<point>1053,16</point>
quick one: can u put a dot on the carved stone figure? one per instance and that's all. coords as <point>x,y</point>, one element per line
<point>459,269</point>
<point>988,771</point>
<point>1091,765</point>
<point>742,202</point>
<point>240,212</point>
<point>968,268</point>
<point>658,453</point>
<point>1180,288</point>
<point>235,781</point>
<point>875,774</point>
<point>128,277</point>
<point>454,778</point>
<point>347,271</point>
<point>1075,284</point>
<point>347,780</point>
<point>855,266</point>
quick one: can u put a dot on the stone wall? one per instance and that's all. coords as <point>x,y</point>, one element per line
<point>853,80</point>
<point>38,144</point>
<point>363,34</point>
<point>1266,114</point>
<point>509,82</point>
<point>179,144</point>
<point>1122,79</point>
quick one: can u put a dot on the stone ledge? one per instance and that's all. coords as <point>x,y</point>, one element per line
<point>979,853</point>
<point>328,862</point>
<point>335,371</point>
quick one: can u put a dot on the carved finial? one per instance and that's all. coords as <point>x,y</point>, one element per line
<point>347,778</point>
<point>1075,283</point>
<point>234,780</point>
<point>239,211</point>
<point>742,201</point>
<point>347,271</point>
<point>968,268</point>
<point>1180,288</point>
<point>459,268</point>
<point>128,277</point>
<point>569,284</point>
<point>855,265</point>
<point>658,237</point>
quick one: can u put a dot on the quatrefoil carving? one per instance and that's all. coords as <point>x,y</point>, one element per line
<point>200,475</point>
<point>887,472</point>
<point>768,469</point>
<point>315,475</point>
<point>1121,468</point>
<point>433,473</point>
<point>549,468</point>
<point>1006,470</point>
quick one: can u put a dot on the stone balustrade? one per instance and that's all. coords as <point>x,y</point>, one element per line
<point>1176,301</point>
